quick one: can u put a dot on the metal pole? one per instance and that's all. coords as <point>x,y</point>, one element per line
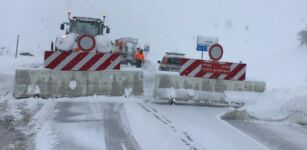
<point>17,46</point>
<point>202,54</point>
<point>51,45</point>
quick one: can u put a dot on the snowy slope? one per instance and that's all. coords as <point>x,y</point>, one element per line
<point>261,33</point>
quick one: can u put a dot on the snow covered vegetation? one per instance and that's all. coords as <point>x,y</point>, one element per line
<point>303,37</point>
<point>269,36</point>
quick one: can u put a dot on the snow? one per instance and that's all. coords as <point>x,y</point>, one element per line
<point>188,94</point>
<point>103,44</point>
<point>261,33</point>
<point>10,63</point>
<point>45,139</point>
<point>73,84</point>
<point>168,72</point>
<point>66,42</point>
<point>265,41</point>
<point>275,105</point>
<point>154,125</point>
<point>200,128</point>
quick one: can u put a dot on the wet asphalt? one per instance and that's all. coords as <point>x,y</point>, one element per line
<point>105,118</point>
<point>276,136</point>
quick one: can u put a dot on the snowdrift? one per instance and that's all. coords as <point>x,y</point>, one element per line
<point>261,33</point>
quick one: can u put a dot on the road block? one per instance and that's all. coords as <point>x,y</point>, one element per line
<point>54,83</point>
<point>213,69</point>
<point>81,61</point>
<point>195,88</point>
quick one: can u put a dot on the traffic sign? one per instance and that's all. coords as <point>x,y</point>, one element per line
<point>216,52</point>
<point>203,43</point>
<point>202,48</point>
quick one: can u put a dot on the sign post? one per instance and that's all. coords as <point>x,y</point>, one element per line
<point>204,43</point>
<point>17,43</point>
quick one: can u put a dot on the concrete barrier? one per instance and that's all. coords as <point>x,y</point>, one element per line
<point>174,84</point>
<point>52,83</point>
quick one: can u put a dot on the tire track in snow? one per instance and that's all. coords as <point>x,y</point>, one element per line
<point>184,137</point>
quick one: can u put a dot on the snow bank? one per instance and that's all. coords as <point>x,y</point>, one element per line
<point>9,63</point>
<point>187,95</point>
<point>275,105</point>
<point>66,42</point>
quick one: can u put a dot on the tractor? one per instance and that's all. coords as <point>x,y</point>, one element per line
<point>84,34</point>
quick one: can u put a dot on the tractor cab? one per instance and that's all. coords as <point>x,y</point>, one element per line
<point>85,25</point>
<point>84,34</point>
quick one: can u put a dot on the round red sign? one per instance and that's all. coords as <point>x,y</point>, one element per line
<point>216,52</point>
<point>86,43</point>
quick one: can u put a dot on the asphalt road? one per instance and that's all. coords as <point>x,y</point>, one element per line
<point>102,123</point>
<point>134,125</point>
<point>276,136</point>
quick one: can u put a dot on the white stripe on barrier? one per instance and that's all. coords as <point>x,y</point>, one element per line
<point>52,57</point>
<point>240,73</point>
<point>114,63</point>
<point>195,71</point>
<point>233,66</point>
<point>186,65</point>
<point>66,61</point>
<point>100,62</point>
<point>88,57</point>
<point>222,76</point>
<point>208,75</point>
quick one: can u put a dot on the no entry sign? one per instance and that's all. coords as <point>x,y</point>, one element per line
<point>216,52</point>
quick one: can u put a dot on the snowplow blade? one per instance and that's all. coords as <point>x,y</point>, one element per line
<point>52,83</point>
<point>170,86</point>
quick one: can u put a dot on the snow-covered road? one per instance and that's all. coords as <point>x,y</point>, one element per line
<point>118,123</point>
<point>85,125</point>
<point>277,136</point>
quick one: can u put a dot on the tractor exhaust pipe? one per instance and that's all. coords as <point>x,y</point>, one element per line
<point>103,18</point>
<point>68,14</point>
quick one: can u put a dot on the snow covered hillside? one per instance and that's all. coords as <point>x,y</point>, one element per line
<point>261,33</point>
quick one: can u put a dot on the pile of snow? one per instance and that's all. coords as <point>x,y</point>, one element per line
<point>188,95</point>
<point>103,44</point>
<point>266,40</point>
<point>275,105</point>
<point>9,63</point>
<point>8,66</point>
<point>4,51</point>
<point>66,42</point>
<point>18,114</point>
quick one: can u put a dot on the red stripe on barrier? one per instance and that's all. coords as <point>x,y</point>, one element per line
<point>212,70</point>
<point>201,73</point>
<point>47,54</point>
<point>70,65</point>
<point>82,60</point>
<point>183,61</point>
<point>242,78</point>
<point>58,60</point>
<point>235,71</point>
<point>91,62</point>
<point>189,69</point>
<point>215,75</point>
<point>108,62</point>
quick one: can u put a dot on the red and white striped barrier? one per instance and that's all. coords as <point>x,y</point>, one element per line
<point>212,69</point>
<point>81,61</point>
